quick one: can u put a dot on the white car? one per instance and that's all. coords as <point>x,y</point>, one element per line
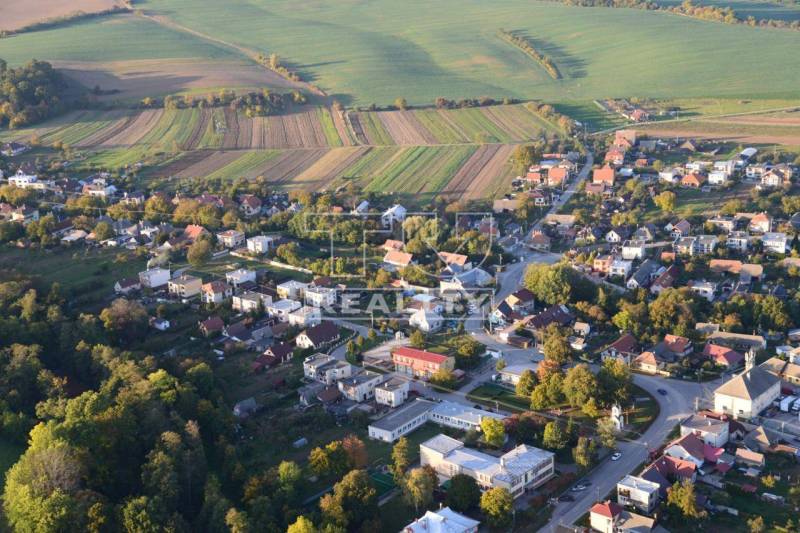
<point>615,456</point>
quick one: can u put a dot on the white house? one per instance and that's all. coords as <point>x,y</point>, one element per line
<point>638,492</point>
<point>669,176</point>
<point>326,369</point>
<point>522,468</point>
<point>621,268</point>
<point>718,177</point>
<point>738,240</point>
<point>259,244</point>
<point>250,301</point>
<point>426,320</point>
<point>281,309</point>
<point>632,250</point>
<point>712,431</point>
<point>360,387</point>
<point>240,276</point>
<point>513,373</point>
<point>320,296</point>
<point>231,238</point>
<point>291,289</point>
<point>749,393</point>
<point>154,278</point>
<point>396,213</point>
<point>442,521</point>
<point>305,316</point>
<point>22,180</point>
<point>774,242</point>
<point>392,392</point>
<point>705,289</point>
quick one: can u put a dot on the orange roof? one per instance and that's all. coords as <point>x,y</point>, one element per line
<point>193,231</point>
<point>603,175</point>
<point>725,265</point>
<point>398,258</point>
<point>392,244</point>
<point>693,179</point>
<point>422,355</point>
<point>557,174</point>
<point>608,509</point>
<point>453,259</point>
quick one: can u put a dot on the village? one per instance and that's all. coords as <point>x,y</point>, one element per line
<point>590,349</point>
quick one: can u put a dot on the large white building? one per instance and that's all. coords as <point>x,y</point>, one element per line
<point>154,278</point>
<point>522,468</point>
<point>392,392</point>
<point>360,387</point>
<point>638,492</point>
<point>749,393</point>
<point>442,521</point>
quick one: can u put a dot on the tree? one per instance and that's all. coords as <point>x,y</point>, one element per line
<point>550,284</point>
<point>500,365</point>
<point>126,318</point>
<point>103,231</point>
<point>582,453</point>
<point>614,381</point>
<point>665,201</point>
<point>418,489</point>
<point>356,451</point>
<point>353,502</point>
<point>556,346</point>
<point>463,494</point>
<point>579,385</point>
<point>526,383</point>
<point>554,437</point>
<point>443,378</point>
<point>607,432</point>
<point>401,458</point>
<point>401,103</point>
<point>302,525</point>
<point>319,462</point>
<point>497,504</point>
<point>289,474</point>
<point>756,524</point>
<point>494,432</point>
<point>682,497</point>
<point>417,340</point>
<point>237,521</point>
<point>199,252</point>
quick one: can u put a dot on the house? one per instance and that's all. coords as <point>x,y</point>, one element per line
<point>609,517</point>
<point>648,362</point>
<point>250,205</point>
<point>665,280</point>
<point>615,156</point>
<point>325,368</point>
<point>395,259</point>
<point>556,314</point>
<point>692,448</point>
<point>645,233</point>
<point>674,347</point>
<point>454,262</point>
<point>392,392</point>
<point>738,341</point>
<point>14,149</point>
<point>671,176</point>
<point>211,326</point>
<point>392,245</point>
<point>127,286</point>
<point>678,229</point>
<point>521,301</point>
<point>712,431</point>
<point>511,374</point>
<point>426,320</point>
<point>693,180</point>
<point>632,250</point>
<point>444,520</point>
<point>619,234</point>
<point>192,232</point>
<point>749,393</point>
<point>260,244</point>
<point>292,289</point>
<point>625,349</point>
<point>154,278</point>
<point>250,302</point>
<point>231,238</point>
<point>718,177</point>
<point>282,309</point>
<point>419,363</point>
<point>518,470</point>
<point>396,213</point>
<point>281,352</point>
<point>540,198</point>
<point>722,355</point>
<point>319,296</point>
<point>750,458</point>
<point>738,241</point>
<point>215,292</point>
<point>539,241</point>
<point>644,275</point>
<point>604,175</point>
<point>697,245</point>
<point>723,222</point>
<point>774,242</point>
<point>362,208</point>
<point>620,268</point>
<point>240,276</point>
<point>602,264</point>
<point>704,289</point>
<point>185,286</point>
<point>638,492</point>
<point>361,386</point>
<point>305,316</point>
<point>323,334</point>
<point>775,177</point>
<point>245,408</point>
<point>557,176</point>
<point>760,223</point>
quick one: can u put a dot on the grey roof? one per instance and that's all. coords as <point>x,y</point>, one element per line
<point>705,424</point>
<point>645,270</point>
<point>749,385</point>
<point>404,415</point>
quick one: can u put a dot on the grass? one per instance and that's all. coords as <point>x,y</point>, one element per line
<point>494,395</point>
<point>244,165</point>
<point>692,202</point>
<point>362,54</point>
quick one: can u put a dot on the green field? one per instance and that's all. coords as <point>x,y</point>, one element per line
<point>376,51</point>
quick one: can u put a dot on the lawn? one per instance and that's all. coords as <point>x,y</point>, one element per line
<point>377,51</point>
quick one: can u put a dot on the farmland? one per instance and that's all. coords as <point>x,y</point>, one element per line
<point>15,14</point>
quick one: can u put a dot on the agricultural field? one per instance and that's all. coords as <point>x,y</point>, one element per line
<point>366,52</point>
<point>16,14</point>
<point>780,128</point>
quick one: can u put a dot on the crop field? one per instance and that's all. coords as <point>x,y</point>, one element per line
<point>781,128</point>
<point>15,14</point>
<point>485,174</point>
<point>378,51</point>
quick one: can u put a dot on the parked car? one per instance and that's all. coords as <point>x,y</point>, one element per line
<point>662,392</point>
<point>616,456</point>
<point>578,488</point>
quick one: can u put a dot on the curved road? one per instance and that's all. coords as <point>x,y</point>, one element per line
<point>676,405</point>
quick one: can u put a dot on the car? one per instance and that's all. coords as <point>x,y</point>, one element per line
<point>566,498</point>
<point>616,456</point>
<point>578,488</point>
<point>662,392</point>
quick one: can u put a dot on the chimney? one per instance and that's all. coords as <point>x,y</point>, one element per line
<point>749,360</point>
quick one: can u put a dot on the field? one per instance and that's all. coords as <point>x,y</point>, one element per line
<point>15,14</point>
<point>781,128</point>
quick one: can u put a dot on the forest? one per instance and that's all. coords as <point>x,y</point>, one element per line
<point>30,93</point>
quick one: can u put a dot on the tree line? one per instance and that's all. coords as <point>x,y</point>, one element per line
<point>525,44</point>
<point>29,93</point>
<point>254,104</point>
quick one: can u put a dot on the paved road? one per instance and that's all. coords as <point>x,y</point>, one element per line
<point>675,406</point>
<point>571,189</point>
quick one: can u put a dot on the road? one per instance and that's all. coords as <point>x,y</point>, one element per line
<point>675,406</point>
<point>571,189</point>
